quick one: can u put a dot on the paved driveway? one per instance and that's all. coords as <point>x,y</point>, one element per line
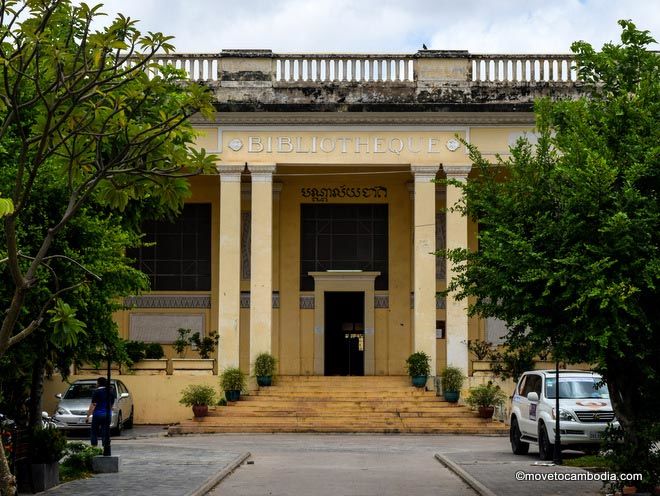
<point>339,465</point>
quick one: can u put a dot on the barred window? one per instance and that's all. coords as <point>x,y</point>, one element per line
<point>178,252</point>
<point>343,237</point>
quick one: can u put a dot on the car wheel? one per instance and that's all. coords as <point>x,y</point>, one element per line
<point>129,421</point>
<point>120,425</point>
<point>545,448</point>
<point>517,446</point>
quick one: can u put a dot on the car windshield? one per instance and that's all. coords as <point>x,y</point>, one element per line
<point>577,388</point>
<point>80,392</point>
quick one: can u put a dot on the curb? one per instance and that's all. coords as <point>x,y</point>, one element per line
<point>216,478</point>
<point>467,478</point>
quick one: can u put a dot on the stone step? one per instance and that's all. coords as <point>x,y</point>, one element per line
<point>346,394</point>
<point>232,412</point>
<point>376,404</point>
<point>203,428</point>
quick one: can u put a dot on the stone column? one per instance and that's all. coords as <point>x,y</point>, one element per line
<point>424,261</point>
<point>229,291</point>
<point>261,260</point>
<point>457,237</point>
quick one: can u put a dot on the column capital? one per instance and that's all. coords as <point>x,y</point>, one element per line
<point>424,173</point>
<point>261,172</point>
<point>230,173</point>
<point>458,172</point>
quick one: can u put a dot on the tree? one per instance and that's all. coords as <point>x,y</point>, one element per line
<point>568,234</point>
<point>92,109</point>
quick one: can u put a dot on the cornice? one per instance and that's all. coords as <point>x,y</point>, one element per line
<point>366,118</point>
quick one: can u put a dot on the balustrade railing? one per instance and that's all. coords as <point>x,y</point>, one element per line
<point>528,68</point>
<point>304,69</point>
<point>343,68</point>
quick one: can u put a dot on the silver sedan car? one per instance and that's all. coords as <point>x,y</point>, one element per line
<point>72,408</point>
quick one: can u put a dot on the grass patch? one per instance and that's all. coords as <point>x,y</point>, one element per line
<point>594,461</point>
<point>68,474</point>
<point>78,461</point>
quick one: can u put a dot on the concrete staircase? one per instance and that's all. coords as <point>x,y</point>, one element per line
<point>384,404</point>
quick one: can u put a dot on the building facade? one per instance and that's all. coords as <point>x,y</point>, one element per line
<point>316,240</point>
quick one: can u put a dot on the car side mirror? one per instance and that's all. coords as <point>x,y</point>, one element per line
<point>58,396</point>
<point>533,396</point>
<point>123,395</point>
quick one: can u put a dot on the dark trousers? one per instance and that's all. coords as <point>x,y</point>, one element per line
<point>99,422</point>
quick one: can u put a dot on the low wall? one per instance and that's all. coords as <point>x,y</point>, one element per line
<point>155,397</point>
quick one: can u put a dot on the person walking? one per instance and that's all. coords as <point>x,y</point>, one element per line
<point>99,410</point>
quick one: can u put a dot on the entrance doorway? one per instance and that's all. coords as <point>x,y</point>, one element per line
<point>344,332</point>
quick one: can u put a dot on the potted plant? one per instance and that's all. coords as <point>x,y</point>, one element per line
<point>47,447</point>
<point>485,398</point>
<point>199,397</point>
<point>418,367</point>
<point>232,381</point>
<point>452,382</point>
<point>264,369</point>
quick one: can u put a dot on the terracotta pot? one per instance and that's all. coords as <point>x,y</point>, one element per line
<point>486,411</point>
<point>629,489</point>
<point>200,410</point>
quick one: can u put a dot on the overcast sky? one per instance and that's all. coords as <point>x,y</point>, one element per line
<point>388,26</point>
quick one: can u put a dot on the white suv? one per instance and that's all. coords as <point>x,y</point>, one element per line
<point>585,411</point>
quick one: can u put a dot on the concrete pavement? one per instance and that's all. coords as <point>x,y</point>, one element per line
<point>492,466</point>
<point>317,465</point>
<point>340,465</point>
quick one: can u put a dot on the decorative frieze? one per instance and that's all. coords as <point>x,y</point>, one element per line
<point>168,301</point>
<point>381,301</point>
<point>306,302</point>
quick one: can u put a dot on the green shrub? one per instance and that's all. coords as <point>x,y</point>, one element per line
<point>510,364</point>
<point>264,365</point>
<point>418,364</point>
<point>485,395</point>
<point>47,445</point>
<point>222,402</point>
<point>135,350</point>
<point>205,345</point>
<point>78,461</point>
<point>197,394</point>
<point>182,342</point>
<point>480,349</point>
<point>452,379</point>
<point>154,351</point>
<point>232,379</point>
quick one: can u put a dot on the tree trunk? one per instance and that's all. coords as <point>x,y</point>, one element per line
<point>36,392</point>
<point>7,480</point>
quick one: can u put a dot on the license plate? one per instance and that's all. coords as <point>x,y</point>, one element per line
<point>82,420</point>
<point>595,435</point>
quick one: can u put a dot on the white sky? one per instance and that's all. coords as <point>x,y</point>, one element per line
<point>388,26</point>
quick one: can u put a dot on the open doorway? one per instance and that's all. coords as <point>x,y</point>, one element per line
<point>344,333</point>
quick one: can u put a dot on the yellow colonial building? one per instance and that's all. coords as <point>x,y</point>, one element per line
<point>316,240</point>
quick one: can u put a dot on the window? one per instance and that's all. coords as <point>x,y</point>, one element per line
<point>532,385</point>
<point>343,237</point>
<point>178,252</point>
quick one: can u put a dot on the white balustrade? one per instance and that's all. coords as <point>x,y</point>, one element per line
<point>343,68</point>
<point>387,69</point>
<point>525,68</point>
